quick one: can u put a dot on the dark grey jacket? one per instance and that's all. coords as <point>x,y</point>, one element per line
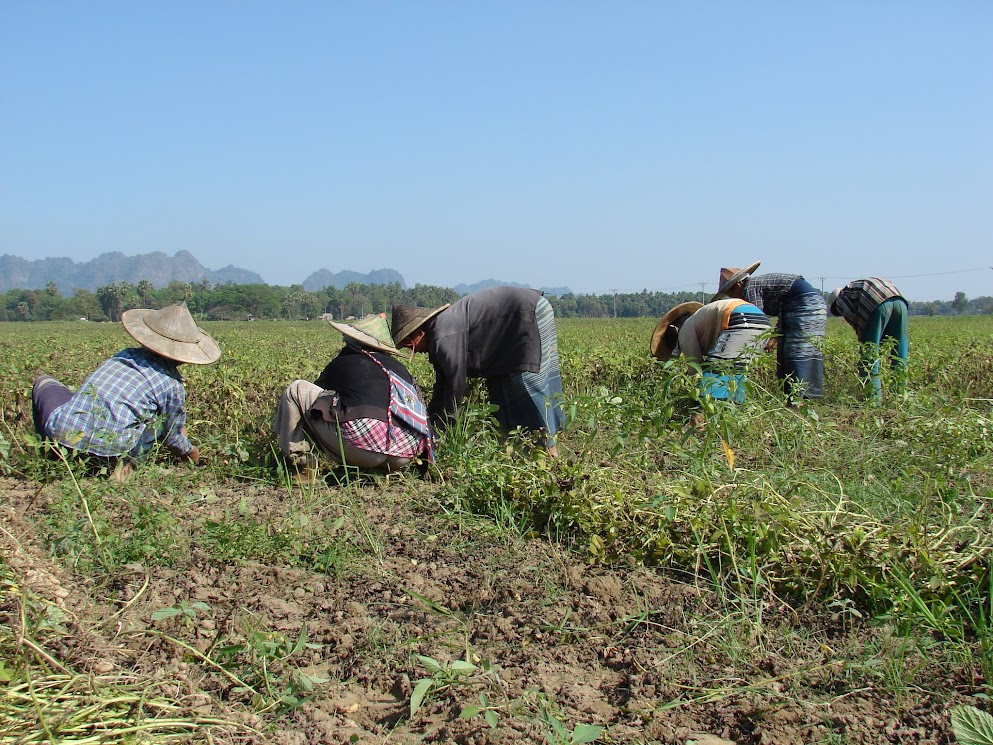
<point>486,334</point>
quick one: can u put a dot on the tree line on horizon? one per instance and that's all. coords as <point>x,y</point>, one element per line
<point>235,302</point>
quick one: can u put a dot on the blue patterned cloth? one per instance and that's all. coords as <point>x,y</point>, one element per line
<point>800,351</point>
<point>533,400</point>
<point>132,400</point>
<point>767,292</point>
<point>725,363</point>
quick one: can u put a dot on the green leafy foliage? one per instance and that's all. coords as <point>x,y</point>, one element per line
<point>441,677</point>
<point>826,500</point>
<point>972,726</point>
<point>265,665</point>
<point>182,610</point>
<point>558,732</point>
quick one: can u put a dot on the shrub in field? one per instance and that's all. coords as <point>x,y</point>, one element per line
<point>263,664</point>
<point>830,501</point>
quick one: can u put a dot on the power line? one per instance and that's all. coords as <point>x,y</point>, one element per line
<point>930,274</point>
<point>688,285</point>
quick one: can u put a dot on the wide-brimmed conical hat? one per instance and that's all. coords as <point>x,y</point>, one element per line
<point>171,332</point>
<point>662,346</point>
<point>370,331</point>
<point>408,318</point>
<point>730,277</point>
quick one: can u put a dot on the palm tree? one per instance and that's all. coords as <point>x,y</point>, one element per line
<point>145,289</point>
<point>112,298</point>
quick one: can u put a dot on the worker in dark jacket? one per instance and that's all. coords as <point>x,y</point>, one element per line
<point>505,335</point>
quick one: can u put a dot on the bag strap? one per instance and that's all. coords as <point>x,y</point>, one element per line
<point>407,404</point>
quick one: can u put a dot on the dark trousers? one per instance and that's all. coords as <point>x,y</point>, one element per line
<point>48,394</point>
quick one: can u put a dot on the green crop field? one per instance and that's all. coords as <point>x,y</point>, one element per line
<point>819,573</point>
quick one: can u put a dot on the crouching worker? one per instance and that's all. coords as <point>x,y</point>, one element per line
<point>721,337</point>
<point>133,400</point>
<point>364,410</point>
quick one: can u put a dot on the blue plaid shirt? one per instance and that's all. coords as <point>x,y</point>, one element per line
<point>130,401</point>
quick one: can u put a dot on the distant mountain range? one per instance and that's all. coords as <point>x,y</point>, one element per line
<point>466,289</point>
<point>323,278</point>
<point>160,269</point>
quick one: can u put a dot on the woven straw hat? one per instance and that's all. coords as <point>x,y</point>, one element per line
<point>407,319</point>
<point>171,332</point>
<point>663,346</point>
<point>731,277</point>
<point>370,331</point>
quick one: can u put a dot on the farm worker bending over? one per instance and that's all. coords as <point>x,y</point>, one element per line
<point>505,335</point>
<point>800,330</point>
<point>876,310</point>
<point>722,337</point>
<point>134,399</point>
<point>364,410</point>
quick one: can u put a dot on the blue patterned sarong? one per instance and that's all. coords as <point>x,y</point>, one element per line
<point>533,400</point>
<point>800,348</point>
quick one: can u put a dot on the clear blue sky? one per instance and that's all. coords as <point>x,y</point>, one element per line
<point>599,146</point>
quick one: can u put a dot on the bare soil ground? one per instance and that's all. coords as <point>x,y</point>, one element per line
<point>555,641</point>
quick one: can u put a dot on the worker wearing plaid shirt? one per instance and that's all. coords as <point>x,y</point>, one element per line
<point>133,400</point>
<point>877,311</point>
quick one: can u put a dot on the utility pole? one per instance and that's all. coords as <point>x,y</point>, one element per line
<point>615,303</point>
<point>702,295</point>
<point>822,283</point>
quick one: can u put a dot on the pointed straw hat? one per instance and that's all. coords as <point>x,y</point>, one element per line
<point>662,344</point>
<point>171,332</point>
<point>370,331</point>
<point>731,277</point>
<point>407,319</point>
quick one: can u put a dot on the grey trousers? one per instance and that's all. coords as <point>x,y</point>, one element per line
<point>298,434</point>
